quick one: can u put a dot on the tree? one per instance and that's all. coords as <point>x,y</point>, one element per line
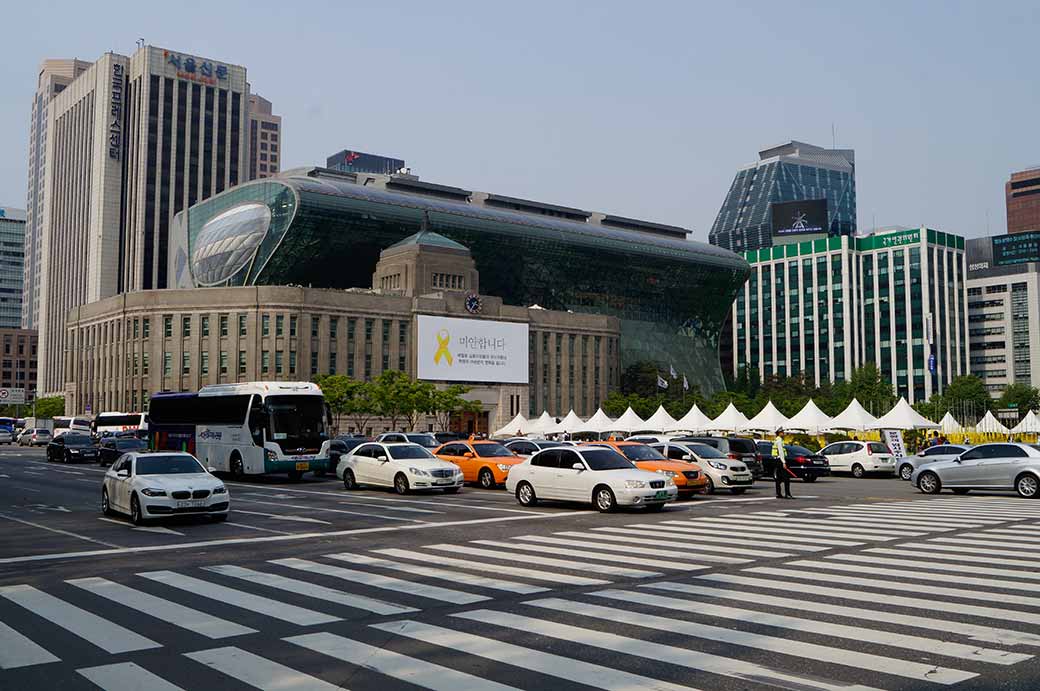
<point>869,387</point>
<point>967,398</point>
<point>50,407</point>
<point>446,402</point>
<point>1021,396</point>
<point>339,391</point>
<point>641,378</point>
<point>392,396</point>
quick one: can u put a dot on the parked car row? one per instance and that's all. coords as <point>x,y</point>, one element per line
<point>73,447</point>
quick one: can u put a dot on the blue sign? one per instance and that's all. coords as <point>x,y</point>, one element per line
<point>931,363</point>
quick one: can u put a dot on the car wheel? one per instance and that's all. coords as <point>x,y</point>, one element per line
<point>604,499</point>
<point>929,483</point>
<point>857,470</point>
<point>106,506</point>
<point>452,490</point>
<point>295,475</point>
<point>525,494</point>
<point>1027,486</point>
<point>486,478</point>
<point>809,478</point>
<point>67,457</point>
<point>710,487</point>
<point>654,508</point>
<point>401,484</point>
<point>349,481</point>
<point>738,490</point>
<point>961,490</point>
<point>135,511</point>
<point>906,471</point>
<point>238,469</point>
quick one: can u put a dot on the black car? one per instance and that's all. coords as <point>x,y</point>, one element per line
<point>112,447</point>
<point>737,448</point>
<point>341,446</point>
<point>805,464</point>
<point>71,447</point>
<point>445,437</point>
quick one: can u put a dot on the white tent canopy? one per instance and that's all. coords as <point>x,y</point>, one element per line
<point>949,424</point>
<point>539,426</point>
<point>568,424</point>
<point>731,420</point>
<point>693,421</point>
<point>628,422</point>
<point>854,417</point>
<point>1030,424</point>
<point>903,416</point>
<point>810,419</point>
<point>598,423</point>
<point>991,425</point>
<point>660,421</point>
<point>517,426</point>
<point>769,419</point>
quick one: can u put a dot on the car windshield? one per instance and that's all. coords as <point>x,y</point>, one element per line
<point>78,440</point>
<point>168,465</point>
<point>638,452</point>
<point>425,440</point>
<point>549,444</point>
<point>797,450</point>
<point>606,459</point>
<point>399,453</point>
<point>705,451</point>
<point>297,421</point>
<point>131,444</point>
<point>491,450</point>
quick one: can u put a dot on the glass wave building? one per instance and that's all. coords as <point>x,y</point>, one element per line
<point>322,228</point>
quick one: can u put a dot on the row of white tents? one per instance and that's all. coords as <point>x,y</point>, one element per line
<point>809,419</point>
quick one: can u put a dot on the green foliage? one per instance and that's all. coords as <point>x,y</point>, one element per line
<point>393,396</point>
<point>1021,396</point>
<point>49,407</point>
<point>968,390</point>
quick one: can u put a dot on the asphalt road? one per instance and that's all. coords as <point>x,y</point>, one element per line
<point>856,584</point>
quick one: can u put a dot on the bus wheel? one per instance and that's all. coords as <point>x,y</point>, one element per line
<point>238,470</point>
<point>295,475</point>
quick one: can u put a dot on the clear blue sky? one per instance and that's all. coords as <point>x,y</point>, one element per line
<point>640,109</point>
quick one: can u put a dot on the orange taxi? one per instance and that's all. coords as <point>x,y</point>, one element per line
<point>486,463</point>
<point>688,477</point>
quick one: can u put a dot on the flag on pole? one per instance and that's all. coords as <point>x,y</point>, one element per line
<point>671,371</point>
<point>685,384</point>
<point>662,383</point>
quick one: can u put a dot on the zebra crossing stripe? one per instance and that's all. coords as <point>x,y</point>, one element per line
<point>846,524</point>
<point>597,542</point>
<point>966,515</point>
<point>510,555</point>
<point>517,547</point>
<point>403,667</point>
<point>18,651</point>
<point>962,549</point>
<point>237,598</point>
<point>110,637</point>
<point>722,532</point>
<point>823,628</point>
<point>748,672</point>
<point>932,566</point>
<point>443,574</point>
<point>530,574</point>
<point>585,673</point>
<point>687,543</point>
<point>911,520</point>
<point>374,580</point>
<point>259,672</point>
<point>996,542</point>
<point>162,609</point>
<point>813,530</point>
<point>124,676</point>
<point>926,550</point>
<point>848,519</point>
<point>1013,535</point>
<point>917,575</point>
<point>293,585</point>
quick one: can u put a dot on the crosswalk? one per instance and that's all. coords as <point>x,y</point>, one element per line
<point>934,594</point>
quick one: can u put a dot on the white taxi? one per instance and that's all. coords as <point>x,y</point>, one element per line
<point>154,485</point>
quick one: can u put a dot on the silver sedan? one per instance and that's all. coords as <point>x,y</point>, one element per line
<point>1001,466</point>
<point>944,452</point>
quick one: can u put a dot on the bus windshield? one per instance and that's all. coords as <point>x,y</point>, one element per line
<point>297,421</point>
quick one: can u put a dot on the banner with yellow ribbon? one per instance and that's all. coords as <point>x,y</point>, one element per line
<point>443,340</point>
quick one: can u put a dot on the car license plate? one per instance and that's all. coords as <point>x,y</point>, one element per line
<point>191,503</point>
<point>663,494</point>
<point>303,466</point>
<point>443,482</point>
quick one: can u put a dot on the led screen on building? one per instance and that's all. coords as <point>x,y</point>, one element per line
<point>471,350</point>
<point>1017,248</point>
<point>807,217</point>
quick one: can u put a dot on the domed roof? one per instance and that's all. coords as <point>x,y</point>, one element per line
<point>426,238</point>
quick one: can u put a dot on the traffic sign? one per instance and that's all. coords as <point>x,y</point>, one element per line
<point>12,396</point>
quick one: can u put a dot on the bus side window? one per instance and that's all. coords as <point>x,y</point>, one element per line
<point>256,425</point>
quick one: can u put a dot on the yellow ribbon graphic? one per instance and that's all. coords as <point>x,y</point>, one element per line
<point>443,339</point>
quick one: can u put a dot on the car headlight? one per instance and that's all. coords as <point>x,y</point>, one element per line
<point>153,492</point>
<point>418,471</point>
<point>269,455</point>
<point>718,466</point>
<point>668,473</point>
<point>73,451</point>
<point>220,490</point>
<point>504,467</point>
<point>634,484</point>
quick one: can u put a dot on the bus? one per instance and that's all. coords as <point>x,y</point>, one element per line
<point>8,424</point>
<point>63,424</point>
<point>246,429</point>
<point>111,422</point>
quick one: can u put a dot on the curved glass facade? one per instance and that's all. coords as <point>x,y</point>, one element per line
<point>671,296</point>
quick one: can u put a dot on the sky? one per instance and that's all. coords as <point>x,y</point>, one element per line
<point>639,109</point>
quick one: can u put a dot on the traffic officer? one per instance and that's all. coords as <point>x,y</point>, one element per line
<point>780,472</point>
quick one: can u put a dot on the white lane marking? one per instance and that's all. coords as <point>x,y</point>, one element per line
<point>293,585</point>
<point>18,651</point>
<point>254,527</point>
<point>387,505</point>
<point>584,673</point>
<point>590,543</point>
<point>931,588</point>
<point>373,580</point>
<point>58,531</point>
<point>325,509</point>
<point>1010,535</point>
<point>145,529</point>
<point>917,574</point>
<point>780,526</point>
<point>90,627</point>
<point>812,651</point>
<point>698,544</point>
<point>923,550</point>
<point>657,651</point>
<point>282,517</point>
<point>1001,543</point>
<point>520,572</point>
<point>968,515</point>
<point>408,669</point>
<point>125,676</point>
<point>443,574</point>
<point>933,566</point>
<point>564,548</point>
<point>854,521</point>
<point>823,628</point>
<point>237,598</point>
<point>985,634</point>
<point>170,612</point>
<point>964,549</point>
<point>581,567</point>
<point>724,531</point>
<point>259,672</point>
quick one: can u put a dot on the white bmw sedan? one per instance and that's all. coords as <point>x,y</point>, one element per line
<point>596,475</point>
<point>153,485</point>
<point>405,467</point>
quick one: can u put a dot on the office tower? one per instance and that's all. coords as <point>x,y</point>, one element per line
<point>12,254</point>
<point>265,139</point>
<point>1022,193</point>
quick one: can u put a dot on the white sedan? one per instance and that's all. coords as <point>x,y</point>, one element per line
<point>153,485</point>
<point>722,471</point>
<point>405,467</point>
<point>596,475</point>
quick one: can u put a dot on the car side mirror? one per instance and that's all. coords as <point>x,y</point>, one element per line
<point>687,457</point>
<point>123,474</point>
<point>956,460</point>
<point>383,459</point>
<point>211,469</point>
<point>578,466</point>
<point>468,454</point>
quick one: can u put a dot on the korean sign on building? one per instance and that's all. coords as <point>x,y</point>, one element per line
<point>471,350</point>
<point>196,69</point>
<point>1017,248</point>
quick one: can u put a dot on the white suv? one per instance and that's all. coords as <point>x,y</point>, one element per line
<point>860,458</point>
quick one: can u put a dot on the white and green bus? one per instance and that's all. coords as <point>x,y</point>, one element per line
<point>246,429</point>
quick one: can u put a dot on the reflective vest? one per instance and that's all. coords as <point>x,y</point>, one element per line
<point>778,450</point>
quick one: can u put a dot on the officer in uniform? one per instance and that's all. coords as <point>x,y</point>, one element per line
<point>780,472</point>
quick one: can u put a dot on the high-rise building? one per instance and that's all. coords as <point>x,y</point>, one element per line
<point>349,161</point>
<point>754,214</point>
<point>130,142</point>
<point>827,306</point>
<point>12,254</point>
<point>1022,193</point>
<point>52,79</point>
<point>265,138</point>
